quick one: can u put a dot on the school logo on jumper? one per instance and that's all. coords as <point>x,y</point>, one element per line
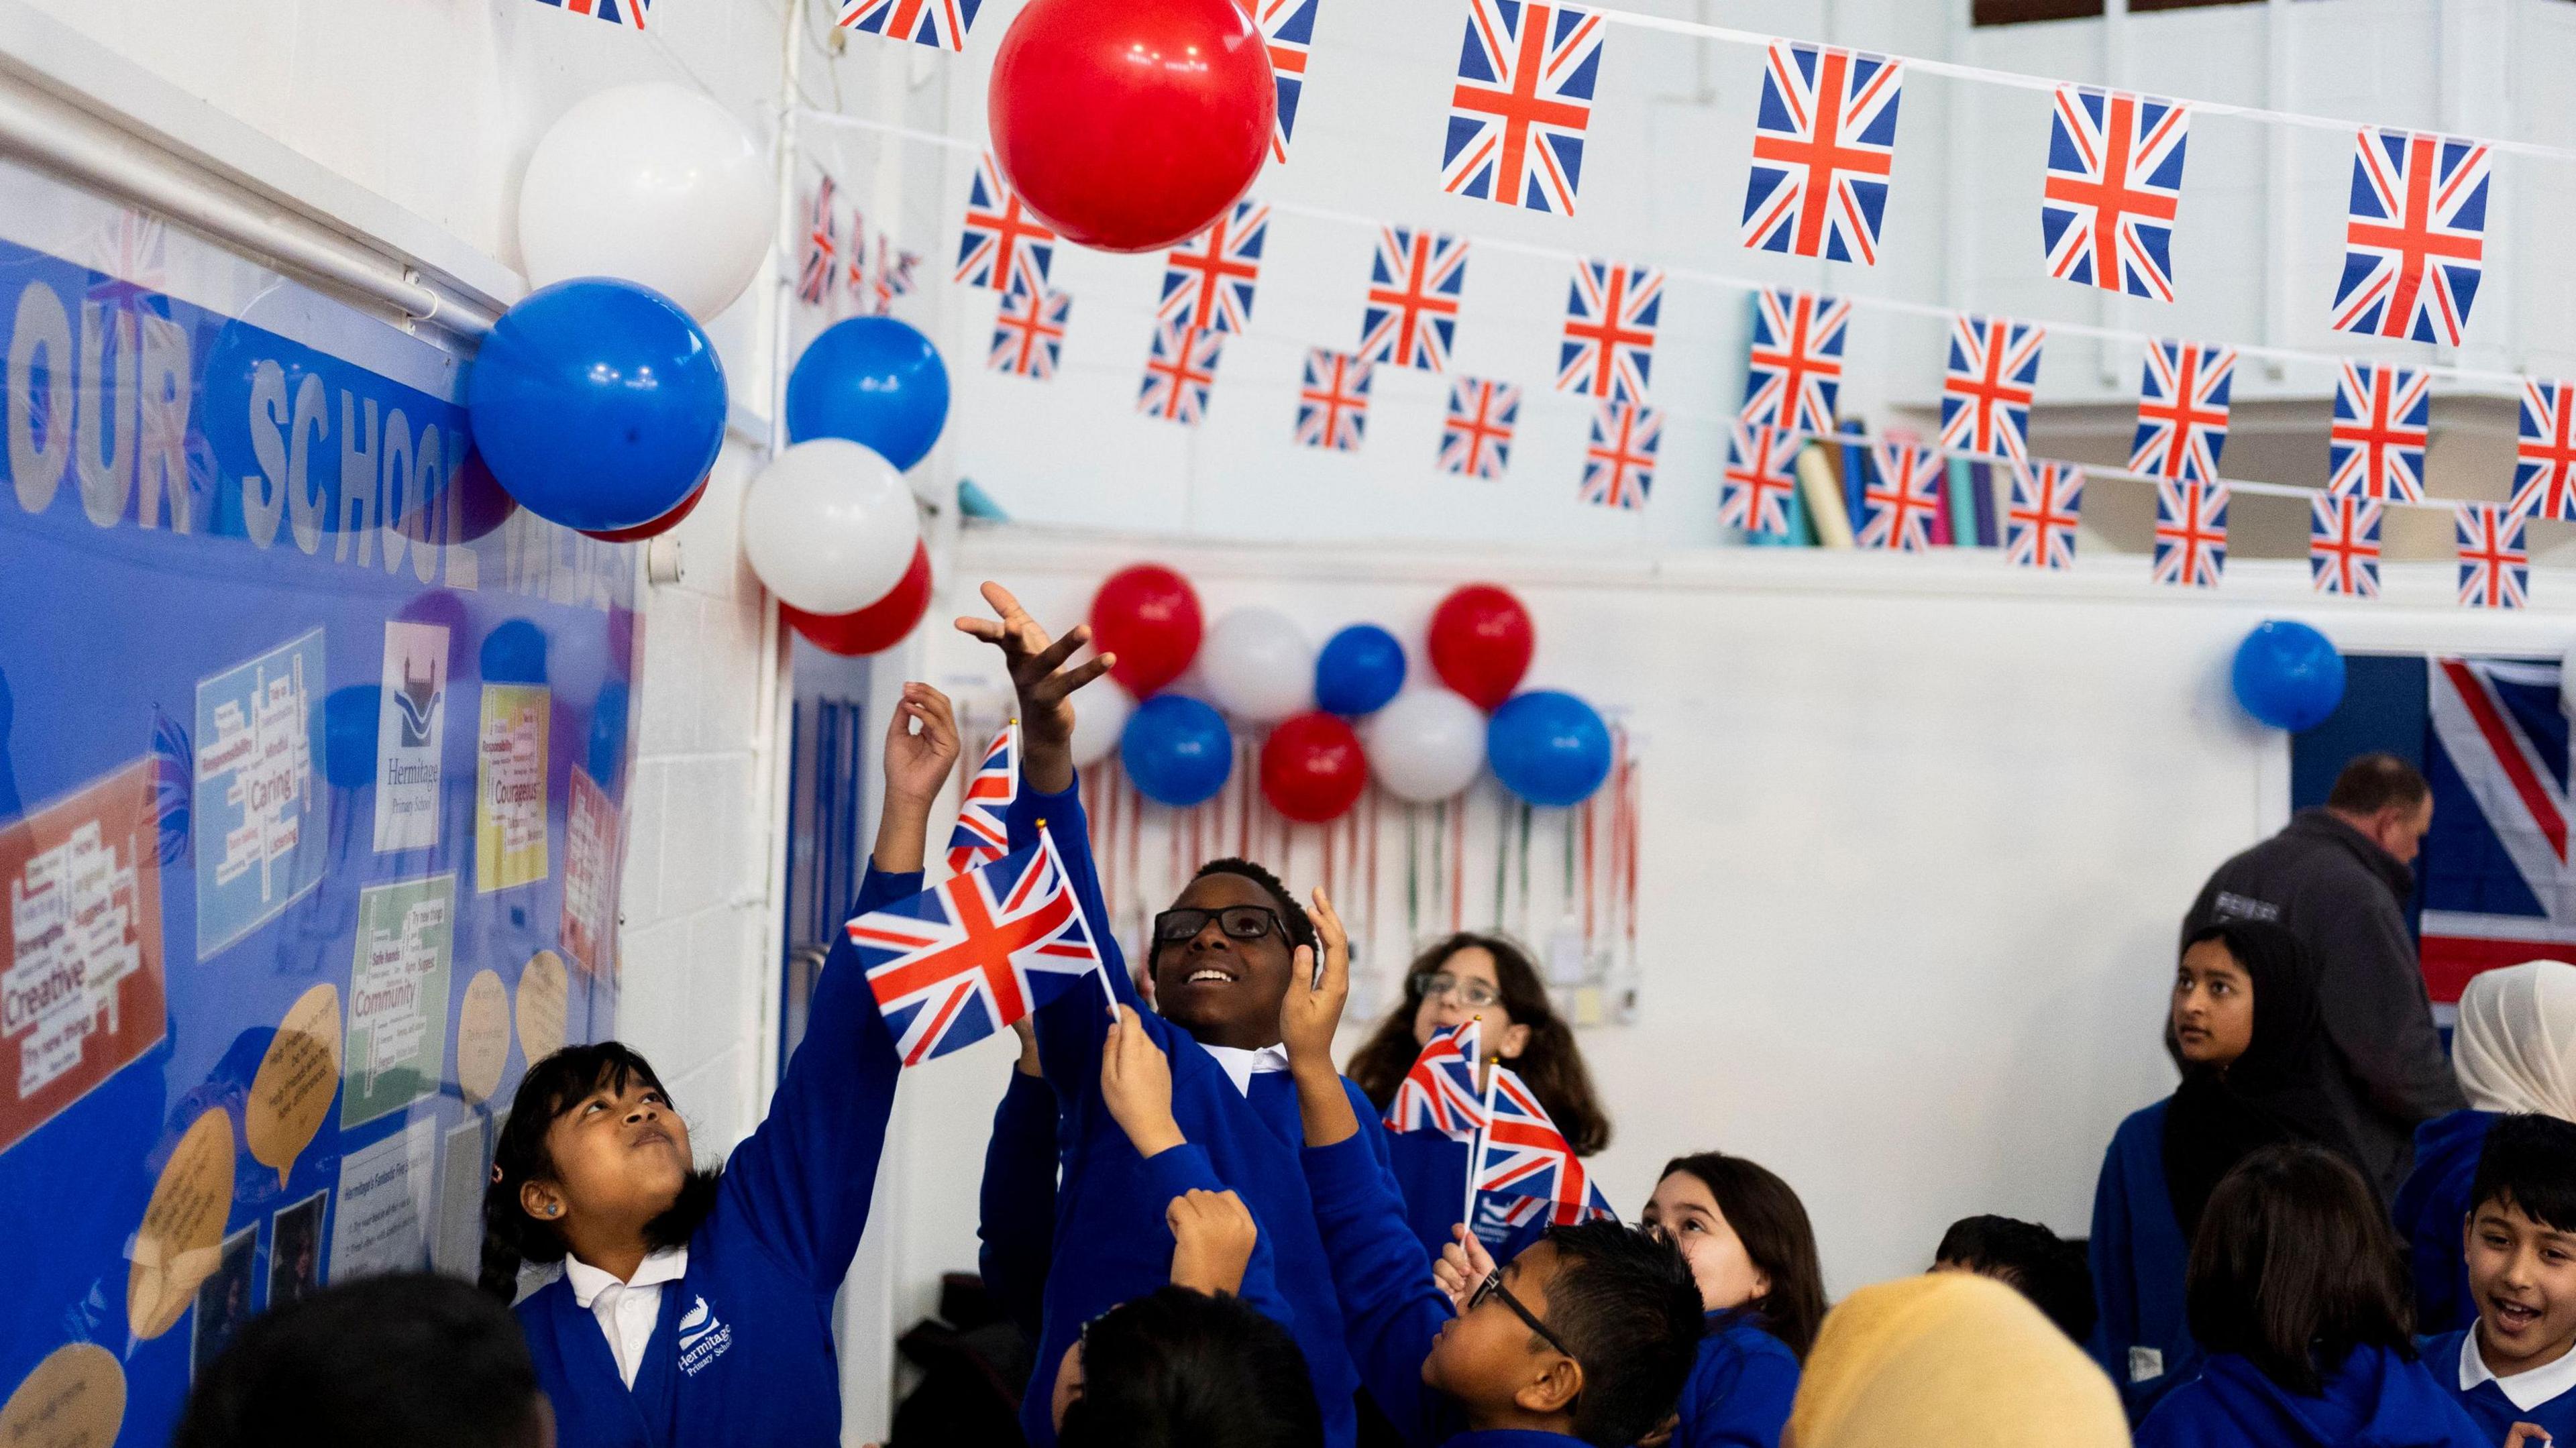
<point>703,1337</point>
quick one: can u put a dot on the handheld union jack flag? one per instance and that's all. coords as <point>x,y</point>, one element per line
<point>1415,282</point>
<point>1439,1093</point>
<point>2414,237</point>
<point>1208,279</point>
<point>822,243</point>
<point>2544,466</point>
<point>2114,185</point>
<point>1179,374</point>
<point>981,835</point>
<point>2343,545</point>
<point>1524,1155</point>
<point>1761,476</point>
<point>2191,533</point>
<point>1610,316</point>
<point>2382,416</point>
<point>1987,390</point>
<point>1476,439</point>
<point>1793,374</point>
<point>940,23</point>
<point>1288,26</point>
<point>1001,245</point>
<point>1028,333</point>
<point>1901,497</point>
<point>2495,567</point>
<point>1332,406</point>
<point>2182,411</point>
<point>616,12</point>
<point>1523,99</point>
<point>1823,144</point>
<point>1619,466</point>
<point>2047,506</point>
<point>975,952</point>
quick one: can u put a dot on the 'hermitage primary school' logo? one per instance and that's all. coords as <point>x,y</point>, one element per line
<point>703,1338</point>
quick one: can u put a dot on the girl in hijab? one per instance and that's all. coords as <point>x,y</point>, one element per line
<point>2514,1051</point>
<point>1950,1358</point>
<point>2244,1029</point>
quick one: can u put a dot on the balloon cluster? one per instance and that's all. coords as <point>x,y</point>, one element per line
<point>1254,665</point>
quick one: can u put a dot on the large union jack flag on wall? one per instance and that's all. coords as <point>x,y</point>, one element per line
<point>1415,281</point>
<point>1523,98</point>
<point>1761,476</point>
<point>2343,545</point>
<point>2544,459</point>
<point>1179,373</point>
<point>1476,438</point>
<point>2114,186</point>
<point>973,953</point>
<point>1208,279</point>
<point>2047,509</point>
<point>2498,887</point>
<point>940,23</point>
<point>1901,497</point>
<point>2495,566</point>
<point>2382,416</point>
<point>2182,411</point>
<point>1028,333</point>
<point>2191,533</point>
<point>1333,403</point>
<point>982,836</point>
<point>1610,317</point>
<point>1289,28</point>
<point>1001,245</point>
<point>1619,466</point>
<point>1793,374</point>
<point>1824,142</point>
<point>1439,1093</point>
<point>1524,1155</point>
<point>2414,236</point>
<point>1986,391</point>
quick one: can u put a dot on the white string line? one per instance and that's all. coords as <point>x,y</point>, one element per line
<point>2510,381</point>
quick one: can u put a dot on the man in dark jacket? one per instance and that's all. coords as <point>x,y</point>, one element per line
<point>2338,878</point>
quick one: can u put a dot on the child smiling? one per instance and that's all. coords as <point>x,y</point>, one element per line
<point>2512,1368</point>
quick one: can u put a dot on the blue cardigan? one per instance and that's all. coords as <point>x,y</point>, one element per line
<point>2486,1403</point>
<point>1740,1387</point>
<point>2377,1399</point>
<point>2431,1211</point>
<point>742,1352</point>
<point>2139,1263</point>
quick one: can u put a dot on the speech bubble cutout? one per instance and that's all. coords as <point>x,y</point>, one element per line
<point>482,1036</point>
<point>74,1399</point>
<point>296,1080</point>
<point>543,988</point>
<point>180,1242</point>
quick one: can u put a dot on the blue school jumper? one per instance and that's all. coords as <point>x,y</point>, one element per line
<point>1017,1224</point>
<point>1253,1143</point>
<point>2377,1399</point>
<point>1740,1386</point>
<point>2486,1403</point>
<point>1431,1171</point>
<point>742,1351</point>
<point>2139,1263</point>
<point>2431,1210</point>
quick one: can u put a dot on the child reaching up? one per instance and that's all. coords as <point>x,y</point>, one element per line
<point>2512,1364</point>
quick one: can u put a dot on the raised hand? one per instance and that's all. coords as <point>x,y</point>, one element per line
<point>1045,686</point>
<point>1213,1235</point>
<point>1136,1081</point>
<point>2526,1433</point>
<point>916,765</point>
<point>1463,1266</point>
<point>1312,1009</point>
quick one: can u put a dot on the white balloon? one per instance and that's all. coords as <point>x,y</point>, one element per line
<point>1425,746</point>
<point>1099,717</point>
<point>1258,666</point>
<point>655,184</point>
<point>829,526</point>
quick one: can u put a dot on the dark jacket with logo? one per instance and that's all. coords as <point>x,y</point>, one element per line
<point>2341,895</point>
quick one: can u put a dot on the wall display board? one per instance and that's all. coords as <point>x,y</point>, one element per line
<point>312,790</point>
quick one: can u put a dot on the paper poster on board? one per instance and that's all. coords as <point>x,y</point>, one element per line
<point>411,733</point>
<point>380,1215</point>
<point>259,829</point>
<point>398,988</point>
<point>590,875</point>
<point>510,788</point>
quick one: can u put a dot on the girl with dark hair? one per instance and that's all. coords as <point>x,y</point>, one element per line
<point>2298,1296</point>
<point>1489,979</point>
<point>2244,1028</point>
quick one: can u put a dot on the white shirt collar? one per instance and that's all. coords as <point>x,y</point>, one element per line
<point>2524,1390</point>
<point>1242,1064</point>
<point>667,1265</point>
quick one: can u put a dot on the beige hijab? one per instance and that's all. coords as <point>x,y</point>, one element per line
<point>2515,1046</point>
<point>1955,1360</point>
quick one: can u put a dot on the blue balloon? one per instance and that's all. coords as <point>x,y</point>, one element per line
<point>874,381</point>
<point>349,718</point>
<point>1177,750</point>
<point>514,653</point>
<point>1548,747</point>
<point>2288,675</point>
<point>599,404</point>
<point>1359,670</point>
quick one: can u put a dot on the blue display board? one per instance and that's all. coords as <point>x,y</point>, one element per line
<point>312,780</point>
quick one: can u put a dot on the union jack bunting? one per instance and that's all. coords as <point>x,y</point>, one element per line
<point>1178,375</point>
<point>2182,411</point>
<point>1289,28</point>
<point>1523,98</point>
<point>1332,406</point>
<point>1619,466</point>
<point>2114,184</point>
<point>1028,333</point>
<point>878,272</point>
<point>1610,316</point>
<point>1793,374</point>
<point>855,273</point>
<point>1986,392</point>
<point>1824,141</point>
<point>822,248</point>
<point>2544,466</point>
<point>1001,245</point>
<point>2495,567</point>
<point>1761,476</point>
<point>1439,1093</point>
<point>2343,545</point>
<point>1208,279</point>
<point>982,836</point>
<point>1901,497</point>
<point>2414,237</point>
<point>2191,533</point>
<point>2047,505</point>
<point>940,23</point>
<point>1415,281</point>
<point>975,952</point>
<point>1476,439</point>
<point>616,12</point>
<point>1524,1155</point>
<point>2381,418</point>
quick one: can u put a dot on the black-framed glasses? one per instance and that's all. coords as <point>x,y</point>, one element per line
<point>1493,1286</point>
<point>1239,922</point>
<point>1468,991</point>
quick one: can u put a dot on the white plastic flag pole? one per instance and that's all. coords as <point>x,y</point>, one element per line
<point>1476,1149</point>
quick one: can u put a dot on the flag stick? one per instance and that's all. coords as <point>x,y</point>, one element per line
<point>1476,1148</point>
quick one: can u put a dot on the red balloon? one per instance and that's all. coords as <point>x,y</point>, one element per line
<point>1129,125</point>
<point>877,627</point>
<point>655,527</point>
<point>1481,640</point>
<point>1312,768</point>
<point>1149,617</point>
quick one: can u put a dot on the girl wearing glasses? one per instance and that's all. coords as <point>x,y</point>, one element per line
<point>1467,977</point>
